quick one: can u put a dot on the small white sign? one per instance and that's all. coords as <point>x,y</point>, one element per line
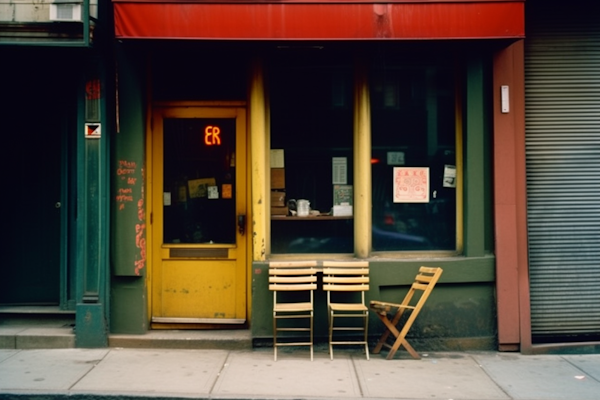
<point>167,198</point>
<point>505,99</point>
<point>93,130</point>
<point>449,176</point>
<point>213,192</point>
<point>339,170</point>
<point>395,158</point>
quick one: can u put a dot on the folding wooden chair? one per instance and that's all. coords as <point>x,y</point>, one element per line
<point>390,313</point>
<point>298,278</point>
<point>346,277</point>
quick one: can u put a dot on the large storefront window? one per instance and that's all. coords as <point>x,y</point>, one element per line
<point>413,176</point>
<point>413,155</point>
<point>311,155</point>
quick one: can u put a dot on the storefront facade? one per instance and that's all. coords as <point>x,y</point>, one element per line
<point>53,114</point>
<point>223,121</point>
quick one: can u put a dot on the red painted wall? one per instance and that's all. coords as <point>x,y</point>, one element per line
<point>510,202</point>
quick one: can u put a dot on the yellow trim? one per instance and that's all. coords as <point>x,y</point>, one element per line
<point>459,162</point>
<point>153,212</point>
<point>362,162</point>
<point>259,163</point>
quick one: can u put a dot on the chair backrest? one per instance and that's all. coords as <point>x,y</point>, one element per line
<point>425,281</point>
<point>346,276</point>
<point>292,275</point>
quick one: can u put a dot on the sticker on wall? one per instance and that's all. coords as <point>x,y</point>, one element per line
<point>93,131</point>
<point>227,191</point>
<point>213,192</point>
<point>411,185</point>
<point>449,176</point>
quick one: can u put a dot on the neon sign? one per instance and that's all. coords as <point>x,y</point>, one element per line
<point>212,135</point>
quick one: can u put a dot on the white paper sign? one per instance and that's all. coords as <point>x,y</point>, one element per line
<point>339,170</point>
<point>213,192</point>
<point>449,176</point>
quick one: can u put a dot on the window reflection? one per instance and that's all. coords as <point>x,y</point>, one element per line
<point>312,122</point>
<point>413,125</point>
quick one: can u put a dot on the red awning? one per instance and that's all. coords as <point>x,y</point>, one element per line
<point>311,20</point>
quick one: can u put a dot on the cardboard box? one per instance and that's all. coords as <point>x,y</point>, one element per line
<point>277,178</point>
<point>279,211</point>
<point>277,199</point>
<point>342,211</point>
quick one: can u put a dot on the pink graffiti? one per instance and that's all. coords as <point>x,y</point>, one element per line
<point>140,240</point>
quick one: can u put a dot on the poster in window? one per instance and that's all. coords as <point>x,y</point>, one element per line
<point>199,187</point>
<point>339,169</point>
<point>411,185</point>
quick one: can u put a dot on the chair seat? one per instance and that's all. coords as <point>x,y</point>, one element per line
<point>293,307</point>
<point>347,307</point>
<point>383,307</point>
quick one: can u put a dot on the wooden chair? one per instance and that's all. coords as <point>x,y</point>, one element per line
<point>299,280</point>
<point>346,277</point>
<point>390,313</point>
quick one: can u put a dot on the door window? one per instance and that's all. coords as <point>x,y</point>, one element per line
<point>199,180</point>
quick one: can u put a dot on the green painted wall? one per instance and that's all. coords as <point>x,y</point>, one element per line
<point>460,314</point>
<point>128,308</point>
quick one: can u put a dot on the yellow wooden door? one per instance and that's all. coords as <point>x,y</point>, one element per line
<point>198,216</point>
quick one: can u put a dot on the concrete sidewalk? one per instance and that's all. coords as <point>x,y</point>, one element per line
<point>252,374</point>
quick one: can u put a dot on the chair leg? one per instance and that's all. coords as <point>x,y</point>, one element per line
<point>274,338</point>
<point>330,334</point>
<point>311,335</point>
<point>366,325</point>
<point>381,342</point>
<point>401,338</point>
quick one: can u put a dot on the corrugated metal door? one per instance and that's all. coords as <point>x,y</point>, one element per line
<point>562,74</point>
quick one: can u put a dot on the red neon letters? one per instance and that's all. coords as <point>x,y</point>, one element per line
<point>211,135</point>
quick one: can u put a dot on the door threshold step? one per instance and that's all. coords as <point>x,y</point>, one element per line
<point>228,339</point>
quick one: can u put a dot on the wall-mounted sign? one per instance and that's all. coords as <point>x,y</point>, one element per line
<point>93,130</point>
<point>411,185</point>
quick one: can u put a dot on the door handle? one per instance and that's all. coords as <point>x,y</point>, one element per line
<point>242,224</point>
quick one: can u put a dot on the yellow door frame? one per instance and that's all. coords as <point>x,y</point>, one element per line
<point>235,109</point>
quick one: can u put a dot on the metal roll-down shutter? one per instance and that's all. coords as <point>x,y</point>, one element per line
<point>562,88</point>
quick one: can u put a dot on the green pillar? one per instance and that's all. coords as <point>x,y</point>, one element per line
<point>128,312</point>
<point>474,174</point>
<point>91,328</point>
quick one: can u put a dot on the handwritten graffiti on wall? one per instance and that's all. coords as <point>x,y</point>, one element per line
<point>127,188</point>
<point>126,182</point>
<point>140,232</point>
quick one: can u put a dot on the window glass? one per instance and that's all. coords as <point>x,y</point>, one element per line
<point>311,136</point>
<point>413,156</point>
<point>199,177</point>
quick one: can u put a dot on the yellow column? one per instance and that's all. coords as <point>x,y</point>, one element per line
<point>258,224</point>
<point>362,161</point>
